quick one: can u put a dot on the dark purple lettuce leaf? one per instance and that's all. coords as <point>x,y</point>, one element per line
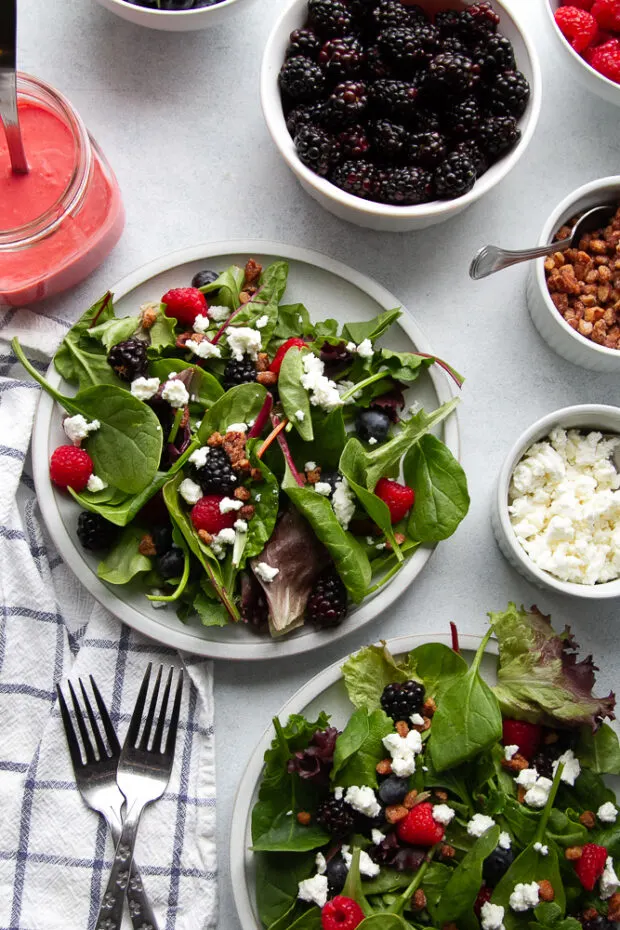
<point>390,402</point>
<point>315,762</point>
<point>335,358</point>
<point>253,606</point>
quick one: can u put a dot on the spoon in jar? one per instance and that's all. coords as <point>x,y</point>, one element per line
<point>491,258</point>
<point>9,115</point>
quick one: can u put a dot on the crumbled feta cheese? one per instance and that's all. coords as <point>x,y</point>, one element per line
<point>527,777</point>
<point>145,388</point>
<point>228,504</point>
<point>538,795</point>
<point>367,867</point>
<point>310,466</point>
<point>607,812</point>
<point>175,393</point>
<point>351,347</point>
<point>158,605</point>
<point>571,769</point>
<point>321,863</point>
<point>190,491</point>
<point>243,341</point>
<point>479,824</point>
<point>338,793</point>
<point>443,814</point>
<point>201,324</point>
<point>199,457</point>
<point>417,720</point>
<point>265,572</point>
<point>542,848</point>
<point>77,428</point>
<point>377,836</point>
<point>95,483</point>
<point>203,349</point>
<point>363,799</point>
<point>313,890</point>
<point>504,841</point>
<point>510,751</point>
<point>524,896</point>
<point>257,497</point>
<point>403,766</point>
<point>343,502</point>
<point>323,392</point>
<point>241,526</point>
<point>415,408</point>
<point>373,441</point>
<point>218,313</point>
<point>381,545</point>
<point>237,428</point>
<point>364,349</point>
<point>262,321</point>
<point>403,750</point>
<point>300,416</point>
<point>492,916</point>
<point>608,884</point>
<point>323,488</point>
<point>224,538</point>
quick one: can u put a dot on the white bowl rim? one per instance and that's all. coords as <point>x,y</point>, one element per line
<point>540,428</point>
<point>123,4</point>
<point>239,854</point>
<point>548,231</point>
<point>576,55</point>
<point>435,208</point>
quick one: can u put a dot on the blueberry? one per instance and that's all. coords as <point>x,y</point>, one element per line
<point>171,563</point>
<point>336,875</point>
<point>496,865</point>
<point>162,539</point>
<point>393,790</point>
<point>372,424</point>
<point>202,278</point>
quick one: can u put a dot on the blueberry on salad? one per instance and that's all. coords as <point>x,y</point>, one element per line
<point>241,462</point>
<point>429,811</point>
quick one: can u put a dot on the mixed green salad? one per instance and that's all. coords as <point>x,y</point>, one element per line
<point>239,461</point>
<point>446,802</point>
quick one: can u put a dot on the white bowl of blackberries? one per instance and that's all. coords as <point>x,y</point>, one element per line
<point>172,15</point>
<point>397,115</point>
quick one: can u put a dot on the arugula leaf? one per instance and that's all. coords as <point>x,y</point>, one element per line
<point>238,405</point>
<point>369,671</point>
<point>468,719</point>
<point>293,395</point>
<point>123,562</point>
<point>441,495</point>
<point>277,880</point>
<point>464,884</point>
<point>359,747</point>
<point>599,750</point>
<point>79,359</point>
<point>352,467</point>
<point>372,329</point>
<point>115,330</point>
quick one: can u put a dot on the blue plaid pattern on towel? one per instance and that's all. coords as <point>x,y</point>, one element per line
<point>54,852</point>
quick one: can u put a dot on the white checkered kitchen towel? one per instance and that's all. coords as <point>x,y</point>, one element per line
<point>54,852</point>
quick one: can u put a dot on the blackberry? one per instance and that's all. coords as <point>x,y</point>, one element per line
<point>353,143</point>
<point>336,873</point>
<point>359,178</point>
<point>483,20</point>
<point>216,476</point>
<point>302,115</point>
<point>128,359</point>
<point>494,56</point>
<point>162,538</point>
<point>377,67</point>
<point>330,17</point>
<point>496,865</point>
<point>454,44</point>
<point>389,13</point>
<point>450,73</point>
<point>171,563</point>
<point>509,94</point>
<point>372,424</point>
<point>342,58</point>
<point>327,605</point>
<point>346,104</point>
<point>599,923</point>
<point>315,148</point>
<point>498,134</point>
<point>393,790</point>
<point>450,23</point>
<point>472,150</point>
<point>427,149</point>
<point>462,118</point>
<point>406,186</point>
<point>202,278</point>
<point>336,817</point>
<point>303,42</point>
<point>394,99</point>
<point>400,701</point>
<point>409,48</point>
<point>241,371</point>
<point>425,121</point>
<point>301,79</point>
<point>455,176</point>
<point>388,139</point>
<point>95,533</point>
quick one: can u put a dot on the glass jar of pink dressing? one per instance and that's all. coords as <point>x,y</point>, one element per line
<point>59,221</point>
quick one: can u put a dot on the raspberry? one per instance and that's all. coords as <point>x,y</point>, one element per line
<point>607,14</point>
<point>276,364</point>
<point>483,897</point>
<point>327,604</point>
<point>591,865</point>
<point>577,26</point>
<point>580,4</point>
<point>341,914</point>
<point>206,515</point>
<point>185,304</point>
<point>526,736</point>
<point>71,467</point>
<point>606,59</point>
<point>316,148</point>
<point>419,828</point>
<point>398,497</point>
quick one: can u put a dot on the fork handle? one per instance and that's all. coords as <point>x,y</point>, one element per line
<point>140,909</point>
<point>110,915</point>
<point>491,258</point>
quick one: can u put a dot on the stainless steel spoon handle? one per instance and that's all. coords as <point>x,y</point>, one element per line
<point>491,258</point>
<point>8,86</point>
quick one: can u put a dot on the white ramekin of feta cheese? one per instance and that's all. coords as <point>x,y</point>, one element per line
<point>556,511</point>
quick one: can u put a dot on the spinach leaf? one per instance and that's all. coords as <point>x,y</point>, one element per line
<point>437,665</point>
<point>162,333</point>
<point>262,524</point>
<point>330,437</point>
<point>228,287</point>
<point>285,833</point>
<point>372,329</point>
<point>587,794</point>
<point>123,562</point>
<point>238,405</point>
<point>325,329</point>
<point>277,880</point>
<point>549,917</point>
<point>402,366</point>
<point>352,467</point>
<point>566,831</point>
<point>468,719</point>
<point>369,671</point>
<point>115,330</point>
<point>522,821</point>
<point>527,867</point>
<point>293,320</point>
<point>265,301</point>
<point>79,359</point>
<point>436,878</point>
<point>349,556</point>
<point>311,920</point>
<point>293,395</point>
<point>203,388</point>
<point>599,749</point>
<point>441,495</point>
<point>383,921</point>
<point>464,884</point>
<point>359,747</point>
<point>388,880</point>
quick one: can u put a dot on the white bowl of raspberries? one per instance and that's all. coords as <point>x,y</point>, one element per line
<point>588,32</point>
<point>397,115</point>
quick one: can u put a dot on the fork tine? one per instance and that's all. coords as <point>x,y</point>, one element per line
<point>88,746</point>
<point>144,742</point>
<point>101,747</point>
<point>174,719</point>
<point>136,717</point>
<point>72,740</point>
<point>108,726</point>
<point>159,732</point>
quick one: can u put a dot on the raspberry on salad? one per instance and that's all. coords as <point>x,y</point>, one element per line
<point>606,59</point>
<point>341,914</point>
<point>398,497</point>
<point>591,865</point>
<point>419,827</point>
<point>206,515</point>
<point>276,364</point>
<point>185,304</point>
<point>527,736</point>
<point>578,26</point>
<point>607,14</point>
<point>71,467</point>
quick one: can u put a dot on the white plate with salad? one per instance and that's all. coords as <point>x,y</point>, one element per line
<point>430,788</point>
<point>249,424</point>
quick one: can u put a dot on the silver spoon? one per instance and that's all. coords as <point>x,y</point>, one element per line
<point>491,258</point>
<point>8,86</point>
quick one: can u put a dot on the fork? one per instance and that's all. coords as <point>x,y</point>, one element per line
<point>96,781</point>
<point>143,774</point>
